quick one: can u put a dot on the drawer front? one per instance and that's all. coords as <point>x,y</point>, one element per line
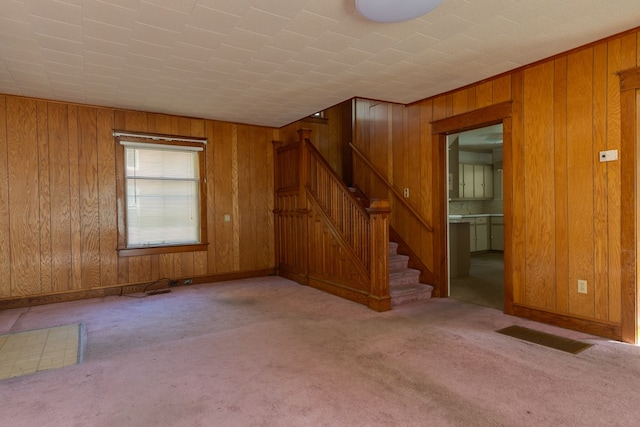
<point>481,220</point>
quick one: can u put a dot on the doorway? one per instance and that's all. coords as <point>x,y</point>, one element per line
<point>475,211</point>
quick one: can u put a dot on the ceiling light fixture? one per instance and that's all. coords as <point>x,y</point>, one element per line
<point>395,10</point>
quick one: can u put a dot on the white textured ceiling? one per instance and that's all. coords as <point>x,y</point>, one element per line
<point>271,62</point>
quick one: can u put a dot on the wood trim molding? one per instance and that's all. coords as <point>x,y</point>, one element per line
<point>629,215</point>
<point>163,250</point>
<point>629,79</point>
<point>487,116</point>
<point>602,329</point>
<point>484,117</point>
<point>122,248</point>
<point>127,288</point>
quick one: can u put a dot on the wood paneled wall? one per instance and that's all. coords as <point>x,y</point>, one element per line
<point>397,141</point>
<point>58,225</point>
<point>330,135</point>
<point>564,204</point>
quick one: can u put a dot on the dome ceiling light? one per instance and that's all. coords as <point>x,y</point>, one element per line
<point>395,10</point>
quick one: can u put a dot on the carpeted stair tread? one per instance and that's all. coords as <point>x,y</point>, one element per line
<point>404,276</point>
<point>404,282</point>
<point>409,293</point>
<point>398,261</point>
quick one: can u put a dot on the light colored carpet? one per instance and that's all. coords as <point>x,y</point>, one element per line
<point>269,352</point>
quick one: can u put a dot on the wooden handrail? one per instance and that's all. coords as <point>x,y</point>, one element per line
<point>395,192</point>
<point>339,204</point>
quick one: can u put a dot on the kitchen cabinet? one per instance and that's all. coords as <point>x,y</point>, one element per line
<point>497,184</point>
<point>475,181</point>
<point>454,165</point>
<point>478,234</point>
<point>497,233</point>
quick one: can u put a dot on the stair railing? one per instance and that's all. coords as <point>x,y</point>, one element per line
<point>338,203</point>
<point>399,197</point>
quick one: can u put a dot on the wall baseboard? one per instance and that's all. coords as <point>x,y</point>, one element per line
<point>601,329</point>
<point>127,288</point>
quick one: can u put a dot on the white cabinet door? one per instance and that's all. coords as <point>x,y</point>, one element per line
<point>497,233</point>
<point>478,181</point>
<point>497,237</point>
<point>466,182</point>
<point>497,184</point>
<point>475,181</point>
<point>487,188</point>
<point>472,235</point>
<point>478,234</point>
<point>482,234</point>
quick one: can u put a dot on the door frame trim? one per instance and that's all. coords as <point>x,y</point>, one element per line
<point>630,190</point>
<point>482,117</point>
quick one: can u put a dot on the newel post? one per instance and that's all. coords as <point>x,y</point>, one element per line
<point>303,206</point>
<point>379,297</point>
<point>304,135</point>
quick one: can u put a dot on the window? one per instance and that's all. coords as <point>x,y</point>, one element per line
<point>161,195</point>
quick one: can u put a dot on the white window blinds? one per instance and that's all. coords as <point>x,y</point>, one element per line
<point>162,194</point>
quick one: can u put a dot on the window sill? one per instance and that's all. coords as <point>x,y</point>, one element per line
<point>126,252</point>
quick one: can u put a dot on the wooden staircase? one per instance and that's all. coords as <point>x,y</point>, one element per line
<point>337,241</point>
<point>404,282</point>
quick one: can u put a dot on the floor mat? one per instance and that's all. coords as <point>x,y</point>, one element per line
<point>545,339</point>
<point>23,353</point>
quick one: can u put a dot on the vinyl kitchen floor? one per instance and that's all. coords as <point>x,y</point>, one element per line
<point>485,283</point>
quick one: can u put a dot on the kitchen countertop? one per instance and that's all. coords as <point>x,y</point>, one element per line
<point>462,217</point>
<point>459,216</point>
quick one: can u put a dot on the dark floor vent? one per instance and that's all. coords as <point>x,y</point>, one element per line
<point>545,339</point>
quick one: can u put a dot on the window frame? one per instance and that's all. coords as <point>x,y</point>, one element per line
<point>121,199</point>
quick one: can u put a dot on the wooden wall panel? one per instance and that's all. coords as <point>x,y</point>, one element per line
<point>380,134</point>
<point>44,193</point>
<point>427,204</point>
<point>502,90</point>
<point>255,200</point>
<point>107,196</point>
<point>484,94</point>
<point>580,180</point>
<point>74,199</point>
<point>23,196</point>
<point>441,108</point>
<point>600,211</point>
<point>560,186</point>
<point>539,187</point>
<point>247,174</point>
<point>89,197</point>
<point>220,196</point>
<point>614,197</point>
<point>5,241</point>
